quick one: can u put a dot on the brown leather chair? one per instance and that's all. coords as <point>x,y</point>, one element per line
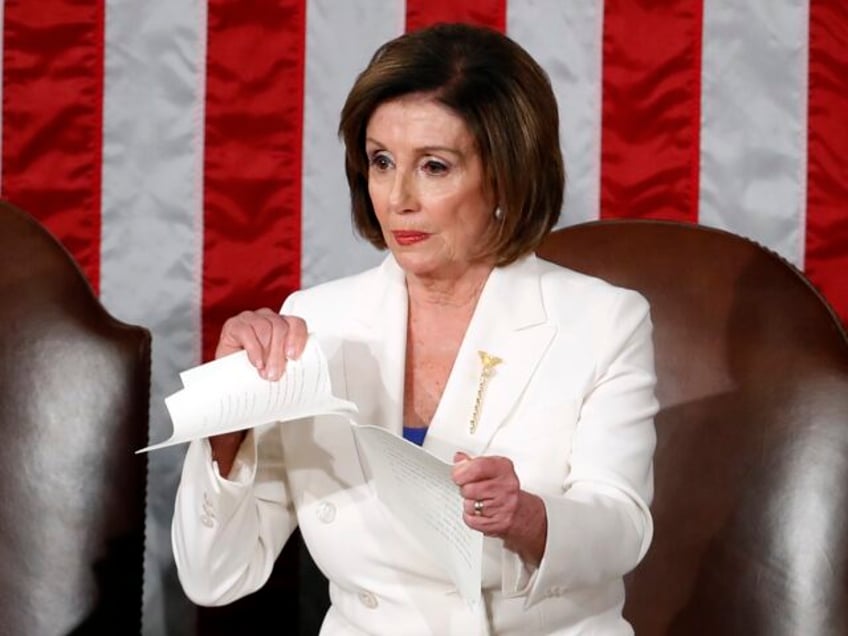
<point>751,467</point>
<point>74,391</point>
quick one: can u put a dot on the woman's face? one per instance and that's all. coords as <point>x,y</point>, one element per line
<point>427,186</point>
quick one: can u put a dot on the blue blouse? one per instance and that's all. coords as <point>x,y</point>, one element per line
<point>415,435</point>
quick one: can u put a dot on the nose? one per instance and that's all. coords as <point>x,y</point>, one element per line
<point>402,194</point>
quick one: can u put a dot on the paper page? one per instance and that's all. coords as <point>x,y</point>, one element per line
<point>228,395</point>
<point>417,487</point>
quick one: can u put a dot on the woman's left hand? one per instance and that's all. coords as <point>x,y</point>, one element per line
<point>496,506</point>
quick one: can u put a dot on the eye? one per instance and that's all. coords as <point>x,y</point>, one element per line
<point>435,167</point>
<point>379,161</point>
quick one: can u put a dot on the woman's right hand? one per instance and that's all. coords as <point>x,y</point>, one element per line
<point>269,340</point>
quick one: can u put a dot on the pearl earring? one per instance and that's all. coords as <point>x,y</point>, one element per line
<point>498,213</point>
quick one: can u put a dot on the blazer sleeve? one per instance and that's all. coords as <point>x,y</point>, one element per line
<point>227,533</point>
<point>601,527</point>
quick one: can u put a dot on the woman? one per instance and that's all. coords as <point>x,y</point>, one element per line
<point>535,380</point>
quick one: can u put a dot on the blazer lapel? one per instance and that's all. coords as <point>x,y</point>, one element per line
<point>374,353</point>
<point>509,322</point>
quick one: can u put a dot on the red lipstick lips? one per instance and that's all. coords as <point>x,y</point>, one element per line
<point>407,237</point>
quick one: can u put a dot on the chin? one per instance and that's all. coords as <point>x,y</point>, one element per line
<point>417,264</point>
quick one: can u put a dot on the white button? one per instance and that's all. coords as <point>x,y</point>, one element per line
<point>368,599</point>
<point>326,512</point>
<point>206,521</point>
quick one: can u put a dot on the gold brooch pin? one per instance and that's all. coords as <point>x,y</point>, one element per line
<point>489,363</point>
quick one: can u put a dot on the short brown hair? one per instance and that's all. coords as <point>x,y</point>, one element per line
<point>506,100</point>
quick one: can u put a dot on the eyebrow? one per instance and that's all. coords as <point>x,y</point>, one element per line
<point>424,149</point>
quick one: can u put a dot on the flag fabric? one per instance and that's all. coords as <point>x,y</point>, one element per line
<point>185,151</point>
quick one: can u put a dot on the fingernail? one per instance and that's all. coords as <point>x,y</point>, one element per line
<point>272,374</point>
<point>290,353</point>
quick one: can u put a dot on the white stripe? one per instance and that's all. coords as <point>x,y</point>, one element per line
<point>753,134</point>
<point>340,39</point>
<point>565,38</point>
<point>151,248</point>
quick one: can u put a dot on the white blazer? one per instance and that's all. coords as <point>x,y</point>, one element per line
<point>572,406</point>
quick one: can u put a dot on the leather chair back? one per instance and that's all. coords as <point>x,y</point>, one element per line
<point>751,467</point>
<point>74,392</point>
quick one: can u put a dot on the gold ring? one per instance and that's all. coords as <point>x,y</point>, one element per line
<point>478,507</point>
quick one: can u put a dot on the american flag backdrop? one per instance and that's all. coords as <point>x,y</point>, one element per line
<point>185,151</point>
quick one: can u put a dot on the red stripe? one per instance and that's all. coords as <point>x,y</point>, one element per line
<point>53,119</point>
<point>826,259</point>
<point>252,189</point>
<point>490,13</point>
<point>651,109</point>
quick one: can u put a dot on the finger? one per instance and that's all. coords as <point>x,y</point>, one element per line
<point>469,507</point>
<point>477,507</point>
<point>481,490</point>
<point>237,333</point>
<point>275,330</point>
<point>490,508</point>
<point>489,521</point>
<point>459,457</point>
<point>458,472</point>
<point>296,337</point>
<point>261,325</point>
<point>289,339</point>
<point>471,470</point>
<point>493,472</point>
<point>251,331</point>
<point>488,526</point>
